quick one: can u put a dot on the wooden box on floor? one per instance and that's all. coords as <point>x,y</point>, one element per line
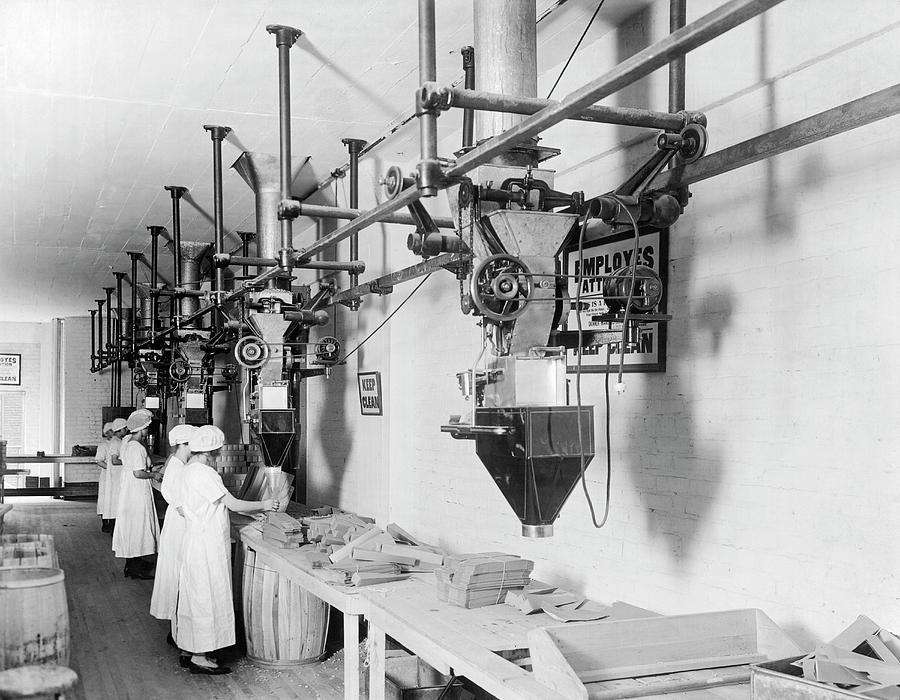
<point>780,680</point>
<point>608,655</point>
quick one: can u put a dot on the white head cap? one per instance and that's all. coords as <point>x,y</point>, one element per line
<point>118,424</point>
<point>181,434</point>
<point>138,420</point>
<point>106,428</point>
<point>206,439</point>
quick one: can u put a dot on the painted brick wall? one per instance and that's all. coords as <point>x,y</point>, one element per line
<point>762,468</point>
<point>84,395</point>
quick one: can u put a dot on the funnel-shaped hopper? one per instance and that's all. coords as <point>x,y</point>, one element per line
<point>535,460</point>
<point>534,237</point>
<point>261,171</point>
<point>276,435</point>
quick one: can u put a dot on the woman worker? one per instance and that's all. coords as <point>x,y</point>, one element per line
<point>204,616</point>
<point>137,530</point>
<point>108,497</point>
<point>103,478</point>
<point>165,587</point>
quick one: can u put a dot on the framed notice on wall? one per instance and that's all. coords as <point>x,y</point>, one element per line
<point>646,347</point>
<point>369,393</point>
<point>10,369</point>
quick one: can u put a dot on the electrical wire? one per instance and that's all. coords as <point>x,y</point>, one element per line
<point>572,55</point>
<point>389,317</point>
<point>634,255</point>
<point>578,355</point>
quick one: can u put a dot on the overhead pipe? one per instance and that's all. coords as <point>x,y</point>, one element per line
<point>217,133</point>
<point>177,193</point>
<point>354,146</point>
<point>100,355</point>
<point>246,237</point>
<point>93,339</point>
<point>119,330</point>
<point>466,99</point>
<point>677,20</point>
<point>429,168</point>
<point>134,308</point>
<point>354,267</point>
<point>285,38</point>
<point>294,208</point>
<point>468,128</point>
<point>192,254</point>
<point>155,232</point>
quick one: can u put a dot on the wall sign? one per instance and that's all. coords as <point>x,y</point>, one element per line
<point>646,351</point>
<point>369,393</point>
<point>10,369</point>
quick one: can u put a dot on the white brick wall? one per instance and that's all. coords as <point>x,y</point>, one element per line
<point>761,468</point>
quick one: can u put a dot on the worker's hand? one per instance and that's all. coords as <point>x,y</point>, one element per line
<point>270,504</point>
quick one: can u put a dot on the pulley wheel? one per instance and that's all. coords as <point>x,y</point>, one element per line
<point>180,371</point>
<point>251,352</point>
<point>501,287</point>
<point>694,142</point>
<point>328,349</point>
<point>648,289</point>
<point>139,378</point>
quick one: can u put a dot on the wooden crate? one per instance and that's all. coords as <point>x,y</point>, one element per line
<point>780,680</point>
<point>566,657</point>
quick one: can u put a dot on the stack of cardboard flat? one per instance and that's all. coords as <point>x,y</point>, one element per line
<point>281,530</point>
<point>476,580</point>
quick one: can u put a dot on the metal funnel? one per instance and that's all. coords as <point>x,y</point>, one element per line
<point>535,238</point>
<point>534,457</point>
<point>262,172</point>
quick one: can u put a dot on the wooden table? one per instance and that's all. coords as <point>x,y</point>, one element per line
<point>294,565</point>
<point>453,639</point>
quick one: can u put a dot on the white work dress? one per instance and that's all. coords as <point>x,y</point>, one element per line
<point>204,618</point>
<point>103,478</point>
<point>113,472</point>
<point>165,584</point>
<point>137,529</point>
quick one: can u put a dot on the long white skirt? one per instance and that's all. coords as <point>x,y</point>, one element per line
<point>137,528</point>
<point>165,585</point>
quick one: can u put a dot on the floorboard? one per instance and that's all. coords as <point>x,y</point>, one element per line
<point>118,650</point>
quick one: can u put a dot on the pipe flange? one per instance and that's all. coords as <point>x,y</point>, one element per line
<point>433,96</point>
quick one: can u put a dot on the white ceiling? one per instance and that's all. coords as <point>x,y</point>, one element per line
<point>102,103</point>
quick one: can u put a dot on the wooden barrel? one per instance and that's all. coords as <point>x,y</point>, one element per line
<point>34,617</point>
<point>284,624</point>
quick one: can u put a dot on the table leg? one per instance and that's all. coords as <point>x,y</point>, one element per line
<point>376,663</point>
<point>351,657</point>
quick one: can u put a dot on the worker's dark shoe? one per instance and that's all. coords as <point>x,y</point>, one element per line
<point>170,640</point>
<point>184,661</point>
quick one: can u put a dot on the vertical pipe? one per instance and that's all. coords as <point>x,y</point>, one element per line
<point>677,19</point>
<point>429,169</point>
<point>134,309</point>
<point>217,133</point>
<point>246,237</point>
<point>119,329</point>
<point>506,42</point>
<point>109,336</point>
<point>154,277</point>
<point>177,193</point>
<point>468,129</point>
<point>354,146</point>
<point>285,38</point>
<point>93,338</point>
<point>100,303</point>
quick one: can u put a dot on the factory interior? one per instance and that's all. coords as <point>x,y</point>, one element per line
<point>533,332</point>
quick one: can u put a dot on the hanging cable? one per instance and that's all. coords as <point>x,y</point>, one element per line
<point>620,386</point>
<point>572,55</point>
<point>389,317</point>
<point>579,280</point>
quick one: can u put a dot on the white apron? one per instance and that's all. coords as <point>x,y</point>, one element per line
<point>204,617</point>
<point>165,584</point>
<point>103,478</point>
<point>113,473</point>
<point>137,528</point>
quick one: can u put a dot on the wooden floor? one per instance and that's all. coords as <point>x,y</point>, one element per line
<point>118,650</point>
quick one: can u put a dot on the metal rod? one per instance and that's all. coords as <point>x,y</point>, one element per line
<point>93,338</point>
<point>468,128</point>
<point>177,193</point>
<point>372,216</point>
<point>354,267</point>
<point>134,310</point>
<point>327,212</point>
<point>354,146</point>
<point>285,37</point>
<point>513,104</point>
<point>109,334</point>
<point>384,284</point>
<point>154,277</point>
<point>429,169</point>
<point>217,133</point>
<point>642,63</point>
<point>677,20</point>
<point>119,327</point>
<point>246,237</point>
<point>100,303</point>
<point>865,110</point>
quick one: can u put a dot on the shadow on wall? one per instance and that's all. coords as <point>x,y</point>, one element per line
<point>676,481</point>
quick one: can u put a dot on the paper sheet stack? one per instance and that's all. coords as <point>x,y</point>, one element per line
<point>476,580</point>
